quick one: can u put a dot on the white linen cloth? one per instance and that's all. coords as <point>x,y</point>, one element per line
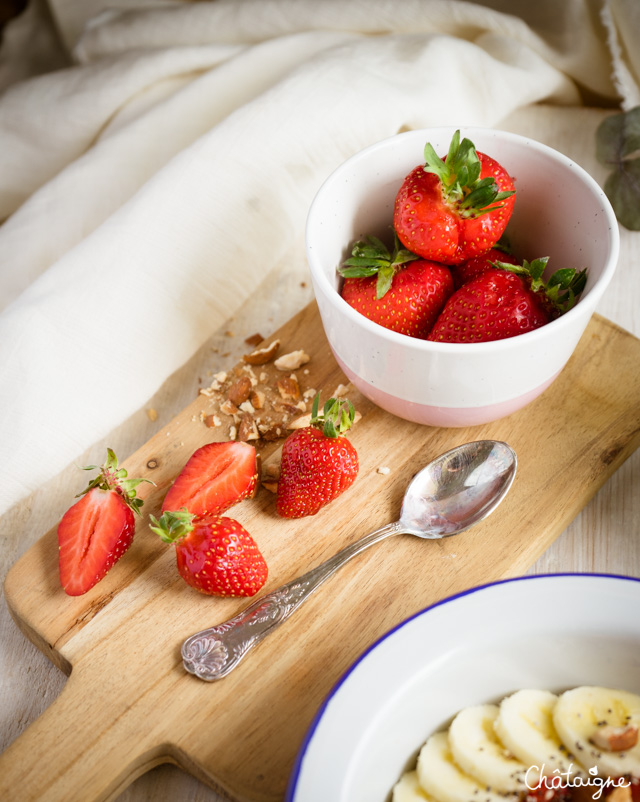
<point>147,189</point>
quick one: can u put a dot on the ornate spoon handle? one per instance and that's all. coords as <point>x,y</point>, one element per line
<point>214,652</point>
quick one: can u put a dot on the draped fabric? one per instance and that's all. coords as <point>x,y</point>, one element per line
<point>153,177</point>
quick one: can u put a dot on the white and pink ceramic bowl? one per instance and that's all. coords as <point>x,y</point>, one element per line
<point>560,212</point>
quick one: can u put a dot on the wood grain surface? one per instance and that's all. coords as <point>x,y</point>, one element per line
<point>129,705</point>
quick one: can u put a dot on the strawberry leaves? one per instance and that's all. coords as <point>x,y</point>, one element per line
<point>371,257</point>
<point>460,177</point>
<point>618,147</point>
<point>113,478</point>
<point>563,287</point>
<point>336,418</point>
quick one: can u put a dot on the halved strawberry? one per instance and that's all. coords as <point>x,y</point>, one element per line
<point>214,555</point>
<point>450,210</point>
<point>216,476</point>
<point>97,530</point>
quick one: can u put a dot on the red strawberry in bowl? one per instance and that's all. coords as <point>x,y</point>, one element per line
<point>214,555</point>
<point>474,267</point>
<point>98,529</point>
<point>505,301</point>
<point>215,477</point>
<point>318,462</point>
<point>450,210</point>
<point>399,291</point>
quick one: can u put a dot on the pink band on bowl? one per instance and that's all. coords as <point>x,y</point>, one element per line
<point>448,417</point>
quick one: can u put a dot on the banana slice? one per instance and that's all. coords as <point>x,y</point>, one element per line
<point>525,726</point>
<point>478,751</point>
<point>408,789</point>
<point>441,777</point>
<point>600,726</point>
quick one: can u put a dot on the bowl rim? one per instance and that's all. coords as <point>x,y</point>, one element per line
<point>315,722</point>
<point>425,346</point>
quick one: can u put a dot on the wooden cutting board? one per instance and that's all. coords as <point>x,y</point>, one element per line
<point>129,705</point>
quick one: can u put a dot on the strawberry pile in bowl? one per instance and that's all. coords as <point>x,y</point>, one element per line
<point>395,263</point>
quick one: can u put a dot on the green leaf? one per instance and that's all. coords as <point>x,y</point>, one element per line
<point>172,526</point>
<point>618,137</point>
<point>623,190</point>
<point>618,147</point>
<point>338,415</point>
<point>385,279</point>
<point>371,256</point>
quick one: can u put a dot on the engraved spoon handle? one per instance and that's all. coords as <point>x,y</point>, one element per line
<point>214,652</point>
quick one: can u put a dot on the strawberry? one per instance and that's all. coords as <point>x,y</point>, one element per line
<point>215,477</point>
<point>454,209</point>
<point>505,301</point>
<point>214,555</point>
<point>477,265</point>
<point>400,292</point>
<point>97,530</point>
<point>318,463</point>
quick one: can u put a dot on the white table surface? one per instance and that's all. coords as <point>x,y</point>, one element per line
<point>604,537</point>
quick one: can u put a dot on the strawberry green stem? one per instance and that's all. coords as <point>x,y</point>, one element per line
<point>337,416</point>
<point>172,525</point>
<point>561,290</point>
<point>459,175</point>
<point>113,478</point>
<point>371,257</point>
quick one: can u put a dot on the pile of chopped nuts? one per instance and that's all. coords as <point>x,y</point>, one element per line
<point>261,398</point>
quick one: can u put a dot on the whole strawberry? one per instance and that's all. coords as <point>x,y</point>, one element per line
<point>477,265</point>
<point>454,209</point>
<point>214,555</point>
<point>400,292</point>
<point>505,301</point>
<point>318,463</point>
<point>97,530</point>
<point>215,477</point>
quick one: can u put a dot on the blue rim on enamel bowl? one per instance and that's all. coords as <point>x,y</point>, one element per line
<point>581,629</point>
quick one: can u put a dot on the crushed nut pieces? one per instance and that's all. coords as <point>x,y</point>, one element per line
<point>260,407</point>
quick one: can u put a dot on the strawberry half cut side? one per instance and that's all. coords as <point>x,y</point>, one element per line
<point>215,477</point>
<point>98,529</point>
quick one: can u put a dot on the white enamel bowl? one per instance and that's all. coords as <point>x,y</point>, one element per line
<point>560,212</point>
<point>549,632</point>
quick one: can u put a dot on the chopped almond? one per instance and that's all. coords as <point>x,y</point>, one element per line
<point>254,340</point>
<point>301,422</point>
<point>262,355</point>
<point>289,388</point>
<point>272,487</point>
<point>247,429</point>
<point>615,739</point>
<point>228,407</point>
<point>272,433</point>
<point>239,391</point>
<point>257,399</point>
<point>212,421</point>
<point>292,361</point>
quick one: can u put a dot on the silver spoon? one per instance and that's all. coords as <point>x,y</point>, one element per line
<point>450,494</point>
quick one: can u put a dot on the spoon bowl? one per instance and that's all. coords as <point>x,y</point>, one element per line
<point>458,489</point>
<point>452,493</point>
